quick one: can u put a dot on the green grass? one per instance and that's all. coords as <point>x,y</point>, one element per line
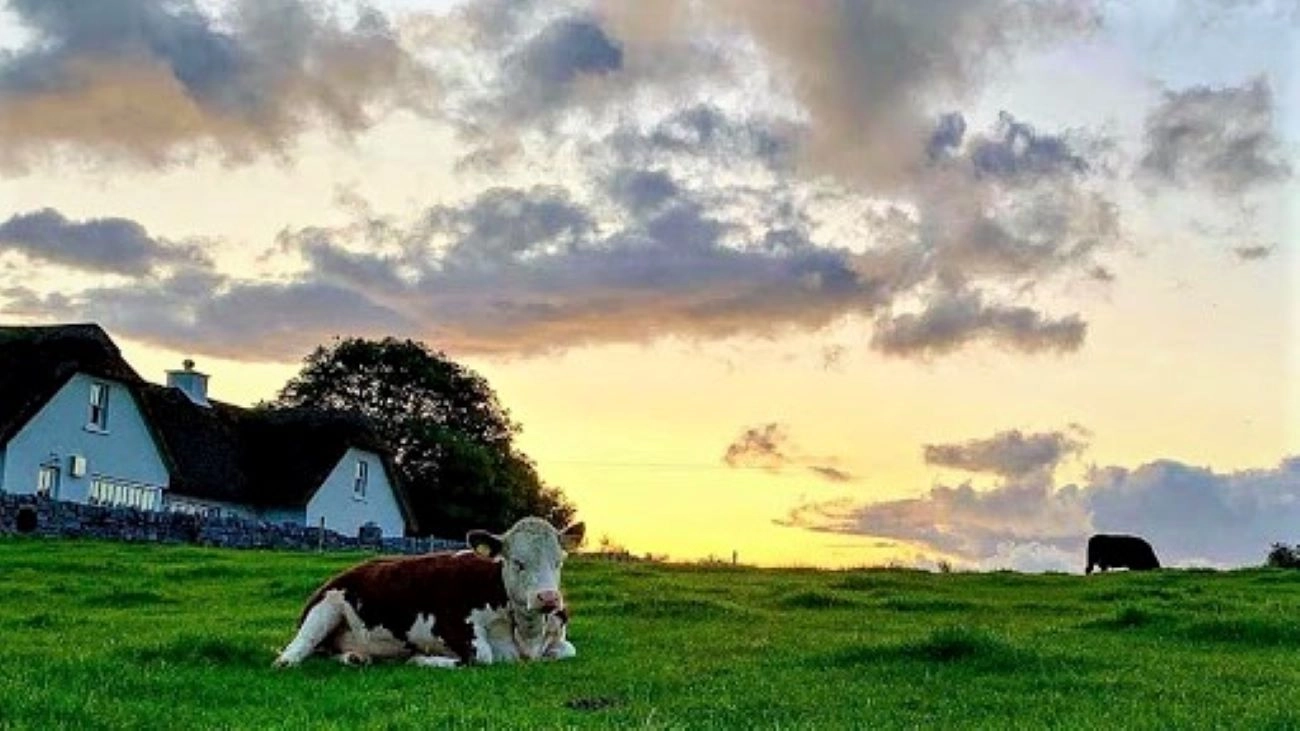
<point>107,635</point>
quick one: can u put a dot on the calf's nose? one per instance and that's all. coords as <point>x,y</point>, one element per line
<point>548,599</point>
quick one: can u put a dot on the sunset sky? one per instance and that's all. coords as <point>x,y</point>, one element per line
<point>822,282</point>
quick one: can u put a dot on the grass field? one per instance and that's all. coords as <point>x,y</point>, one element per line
<point>105,635</point>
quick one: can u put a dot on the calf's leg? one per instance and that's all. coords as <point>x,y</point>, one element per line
<point>319,623</point>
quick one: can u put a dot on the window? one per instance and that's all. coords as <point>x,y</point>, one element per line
<point>107,491</point>
<point>363,475</point>
<point>98,407</point>
<point>47,480</point>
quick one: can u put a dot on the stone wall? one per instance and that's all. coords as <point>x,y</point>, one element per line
<point>43,517</point>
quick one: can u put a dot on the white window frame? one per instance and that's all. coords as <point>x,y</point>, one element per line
<point>360,480</point>
<point>48,477</point>
<point>109,491</point>
<point>97,418</point>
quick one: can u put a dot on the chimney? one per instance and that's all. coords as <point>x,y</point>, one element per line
<point>191,383</point>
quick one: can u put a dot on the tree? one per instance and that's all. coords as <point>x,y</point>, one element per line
<point>1283,556</point>
<point>452,441</point>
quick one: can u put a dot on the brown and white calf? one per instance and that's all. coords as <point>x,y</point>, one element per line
<point>500,602</point>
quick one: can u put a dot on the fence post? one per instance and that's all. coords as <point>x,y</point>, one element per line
<point>320,537</point>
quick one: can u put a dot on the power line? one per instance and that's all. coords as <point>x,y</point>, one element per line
<point>657,465</point>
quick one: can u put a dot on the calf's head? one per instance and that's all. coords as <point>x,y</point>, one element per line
<point>531,553</point>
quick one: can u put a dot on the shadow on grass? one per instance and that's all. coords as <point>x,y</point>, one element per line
<point>814,599</point>
<point>672,608</point>
<point>1127,617</point>
<point>118,598</point>
<point>877,579</point>
<point>213,571</point>
<point>1252,631</point>
<point>948,645</point>
<point>921,603</point>
<point>1135,593</point>
<point>199,650</point>
<point>38,621</point>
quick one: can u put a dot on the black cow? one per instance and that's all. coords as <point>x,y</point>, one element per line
<point>1131,552</point>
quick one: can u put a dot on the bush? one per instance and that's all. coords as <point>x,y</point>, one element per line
<point>1284,557</point>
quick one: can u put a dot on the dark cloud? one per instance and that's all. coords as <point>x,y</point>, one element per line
<point>947,135</point>
<point>541,78</point>
<point>954,320</point>
<point>833,474</point>
<point>112,245</point>
<point>1253,253</point>
<point>1101,274</point>
<point>705,131</point>
<point>527,270</point>
<point>564,50</point>
<point>151,80</point>
<point>862,70</point>
<point>1010,204</point>
<point>1220,139</point>
<point>760,446</point>
<point>1190,514</point>
<point>768,447</point>
<point>1017,152</point>
<point>642,191</point>
<point>506,225</point>
<point>1009,453</point>
<point>201,312</point>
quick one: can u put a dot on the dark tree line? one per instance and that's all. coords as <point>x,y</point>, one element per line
<point>452,441</point>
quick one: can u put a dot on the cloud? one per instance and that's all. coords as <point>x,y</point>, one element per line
<point>636,253</point>
<point>521,271</point>
<point>1253,253</point>
<point>111,245</point>
<point>1030,558</point>
<point>542,75</point>
<point>198,311</point>
<point>1189,514</point>
<point>1018,152</point>
<point>863,69</point>
<point>1219,139</point>
<point>953,320</point>
<point>705,131</point>
<point>1009,453</point>
<point>151,81</point>
<point>958,520</point>
<point>832,474</point>
<point>759,446</point>
<point>768,447</point>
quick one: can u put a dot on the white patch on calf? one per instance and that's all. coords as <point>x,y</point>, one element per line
<point>421,635</point>
<point>494,639</point>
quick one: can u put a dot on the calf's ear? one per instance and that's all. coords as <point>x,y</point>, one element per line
<point>571,537</point>
<point>484,544</point>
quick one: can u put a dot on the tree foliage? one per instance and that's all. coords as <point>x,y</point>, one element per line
<point>1283,556</point>
<point>452,440</point>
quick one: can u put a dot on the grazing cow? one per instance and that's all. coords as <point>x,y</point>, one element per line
<point>500,602</point>
<point>1111,551</point>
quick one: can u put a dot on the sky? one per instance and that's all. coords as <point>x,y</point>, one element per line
<point>827,283</point>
